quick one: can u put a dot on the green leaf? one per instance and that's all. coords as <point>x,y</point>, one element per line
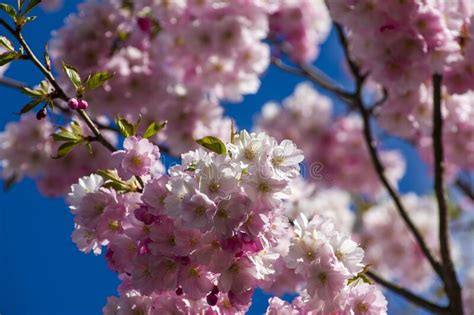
<point>30,19</point>
<point>8,9</point>
<point>126,128</point>
<point>97,80</point>
<point>213,144</point>
<point>31,92</point>
<point>66,135</point>
<point>76,128</point>
<point>73,75</point>
<point>31,5</point>
<point>5,42</point>
<point>30,105</point>
<point>153,129</point>
<point>113,180</point>
<point>7,57</point>
<point>65,149</point>
<point>20,4</point>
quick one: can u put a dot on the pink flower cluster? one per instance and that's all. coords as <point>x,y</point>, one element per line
<point>26,149</point>
<point>335,151</point>
<point>360,299</point>
<point>390,248</point>
<point>51,5</point>
<point>332,203</point>
<point>174,60</point>
<point>402,43</point>
<point>410,117</point>
<point>302,25</point>
<point>202,238</point>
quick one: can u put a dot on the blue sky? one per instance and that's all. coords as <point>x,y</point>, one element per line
<point>42,272</point>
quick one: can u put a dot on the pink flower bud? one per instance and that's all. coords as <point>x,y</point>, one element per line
<point>82,104</point>
<point>73,103</point>
<point>144,24</point>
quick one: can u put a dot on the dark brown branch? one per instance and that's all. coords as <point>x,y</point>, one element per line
<point>452,287</point>
<point>379,168</point>
<point>410,296</point>
<point>466,188</point>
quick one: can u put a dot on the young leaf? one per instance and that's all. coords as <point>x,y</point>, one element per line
<point>20,4</point>
<point>30,105</point>
<point>213,144</point>
<point>30,19</point>
<point>8,9</point>
<point>47,59</point>
<point>31,92</point>
<point>31,5</point>
<point>73,75</point>
<point>125,128</point>
<point>153,129</point>
<point>65,149</point>
<point>66,135</point>
<point>5,42</point>
<point>97,80</point>
<point>7,57</point>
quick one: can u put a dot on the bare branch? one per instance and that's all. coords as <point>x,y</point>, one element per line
<point>452,287</point>
<point>410,296</point>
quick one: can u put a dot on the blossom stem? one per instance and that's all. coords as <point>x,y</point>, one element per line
<point>452,287</point>
<point>407,294</point>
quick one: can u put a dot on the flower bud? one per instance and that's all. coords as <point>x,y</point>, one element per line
<point>82,104</point>
<point>41,114</point>
<point>73,103</point>
<point>144,24</point>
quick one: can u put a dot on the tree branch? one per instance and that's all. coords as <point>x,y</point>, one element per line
<point>410,296</point>
<point>466,188</point>
<point>452,287</point>
<point>379,168</point>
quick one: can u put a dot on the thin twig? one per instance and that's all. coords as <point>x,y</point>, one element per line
<point>466,188</point>
<point>410,296</point>
<point>452,287</point>
<point>314,74</point>
<point>11,83</point>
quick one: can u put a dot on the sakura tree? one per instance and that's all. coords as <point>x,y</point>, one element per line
<point>307,203</point>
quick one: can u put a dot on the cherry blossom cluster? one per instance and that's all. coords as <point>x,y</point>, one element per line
<point>202,238</point>
<point>174,60</point>
<point>51,5</point>
<point>26,149</point>
<point>389,246</point>
<point>302,25</point>
<point>360,298</point>
<point>305,118</point>
<point>410,117</point>
<point>402,43</point>
<point>332,203</point>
